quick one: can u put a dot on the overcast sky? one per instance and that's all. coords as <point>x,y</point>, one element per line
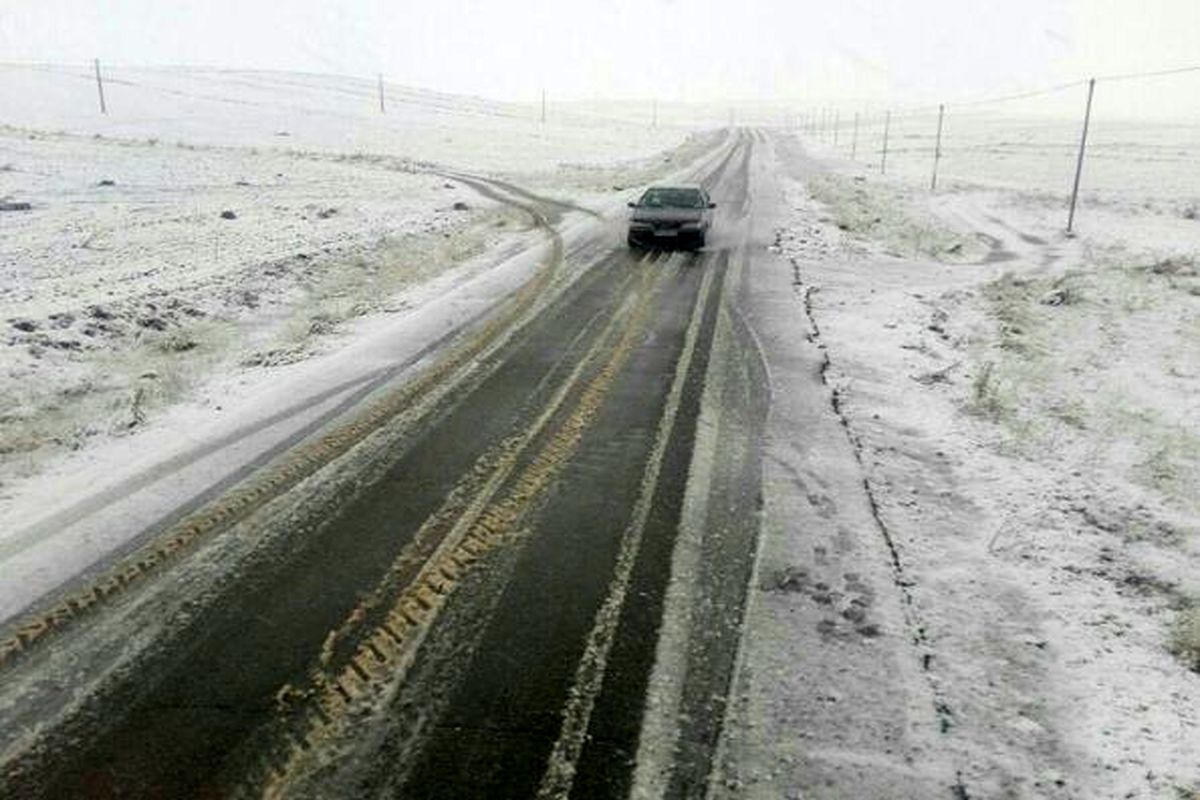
<point>675,49</point>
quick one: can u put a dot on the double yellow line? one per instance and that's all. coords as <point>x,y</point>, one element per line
<point>559,776</point>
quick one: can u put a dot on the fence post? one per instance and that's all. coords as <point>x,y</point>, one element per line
<point>381,106</point>
<point>937,147</point>
<point>854,139</point>
<point>887,123</point>
<point>1087,118</point>
<point>100,86</point>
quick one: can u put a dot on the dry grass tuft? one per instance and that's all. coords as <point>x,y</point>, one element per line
<point>1185,636</point>
<point>987,399</point>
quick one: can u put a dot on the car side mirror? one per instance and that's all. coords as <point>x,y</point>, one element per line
<point>712,205</point>
<point>631,204</point>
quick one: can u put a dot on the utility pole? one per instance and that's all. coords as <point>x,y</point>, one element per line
<point>937,147</point>
<point>543,106</point>
<point>382,110</point>
<point>1087,117</point>
<point>100,86</point>
<point>837,121</point>
<point>654,114</point>
<point>854,139</point>
<point>887,123</point>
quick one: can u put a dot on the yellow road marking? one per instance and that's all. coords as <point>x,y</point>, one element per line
<point>589,674</point>
<point>474,535</point>
<point>271,481</point>
<point>467,504</point>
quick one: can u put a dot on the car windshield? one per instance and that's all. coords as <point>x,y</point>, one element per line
<point>672,198</point>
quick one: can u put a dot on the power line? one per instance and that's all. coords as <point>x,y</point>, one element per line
<point>1159,73</point>
<point>1020,95</point>
<point>932,109</point>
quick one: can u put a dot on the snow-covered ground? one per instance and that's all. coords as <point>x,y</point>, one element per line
<point>216,220</point>
<point>1024,403</point>
<point>1025,407</point>
<point>326,113</point>
<point>225,245</point>
<point>125,284</point>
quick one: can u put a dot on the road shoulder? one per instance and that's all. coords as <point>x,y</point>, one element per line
<point>830,699</point>
<point>990,392</point>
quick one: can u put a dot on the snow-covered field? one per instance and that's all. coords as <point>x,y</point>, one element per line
<point>1126,160</point>
<point>1026,406</point>
<point>332,114</point>
<point>216,221</point>
<point>118,298</point>
<point>1135,159</point>
<point>1024,403</point>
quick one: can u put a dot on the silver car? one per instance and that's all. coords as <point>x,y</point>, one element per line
<point>671,216</point>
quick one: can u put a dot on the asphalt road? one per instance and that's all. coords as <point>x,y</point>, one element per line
<point>475,612</point>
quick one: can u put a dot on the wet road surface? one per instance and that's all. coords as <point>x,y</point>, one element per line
<point>477,614</point>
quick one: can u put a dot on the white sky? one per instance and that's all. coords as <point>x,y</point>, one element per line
<point>898,50</point>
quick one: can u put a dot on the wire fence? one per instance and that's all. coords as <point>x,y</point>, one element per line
<point>364,117</point>
<point>1142,145</point>
<point>1142,141</point>
<point>89,89</point>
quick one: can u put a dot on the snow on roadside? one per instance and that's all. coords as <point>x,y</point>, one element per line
<point>624,175</point>
<point>140,269</point>
<point>219,220</point>
<point>1027,418</point>
<point>177,303</point>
